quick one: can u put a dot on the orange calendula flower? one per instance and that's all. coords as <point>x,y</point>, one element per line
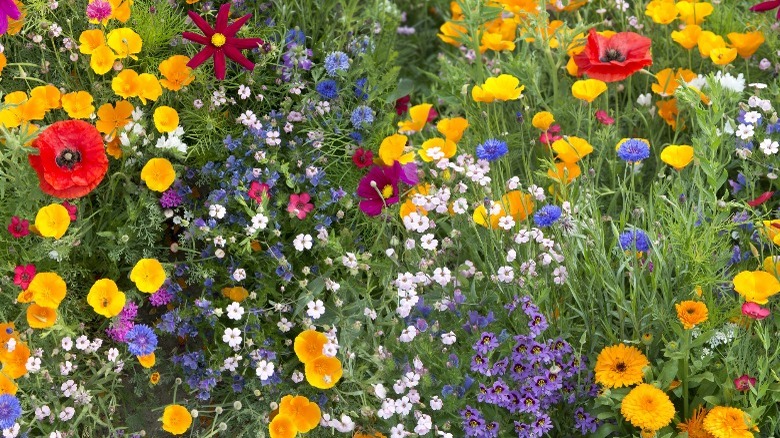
<point>728,422</point>
<point>176,419</point>
<point>166,119</point>
<point>437,148</point>
<point>694,13</point>
<point>746,43</point>
<point>571,149</point>
<point>662,11</point>
<point>303,413</point>
<point>392,149</point>
<point>158,174</point>
<point>105,298</point>
<point>543,120</point>
<point>89,40</point>
<point>688,37</point>
<point>588,90</point>
<point>147,361</point>
<point>48,289</point>
<point>755,286</point>
<point>723,55</point>
<point>419,114</point>
<point>52,221</point>
<point>126,84</point>
<point>620,365</point>
<point>709,41</point>
<point>124,42</point>
<point>677,156</point>
<point>308,345</point>
<point>694,427</point>
<point>668,80</point>
<point>282,426</point>
<point>102,60</point>
<point>15,362</point>
<point>453,128</point>
<point>39,317</point>
<point>176,72</point>
<point>691,313</point>
<point>49,95</point>
<point>78,104</point>
<point>668,111</point>
<point>323,372</point>
<point>565,172</point>
<point>148,275</point>
<point>112,118</point>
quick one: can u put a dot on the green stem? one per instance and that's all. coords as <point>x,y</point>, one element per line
<point>684,365</point>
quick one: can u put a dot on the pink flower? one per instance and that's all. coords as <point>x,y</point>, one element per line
<point>402,105</point>
<point>99,10</point>
<point>603,117</point>
<point>754,311</point>
<point>551,135</point>
<point>72,210</point>
<point>258,191</point>
<point>299,205</point>
<point>19,227</point>
<point>23,275</point>
<point>744,383</point>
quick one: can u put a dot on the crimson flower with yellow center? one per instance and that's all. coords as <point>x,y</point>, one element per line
<point>221,41</point>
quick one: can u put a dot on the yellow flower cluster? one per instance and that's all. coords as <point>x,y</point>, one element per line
<point>322,372</point>
<point>295,414</point>
<point>105,50</point>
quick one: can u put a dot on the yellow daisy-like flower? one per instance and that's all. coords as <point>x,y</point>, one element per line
<point>158,174</point>
<point>620,365</point>
<point>691,313</point>
<point>647,407</point>
<point>52,221</point>
<point>148,275</point>
<point>728,422</point>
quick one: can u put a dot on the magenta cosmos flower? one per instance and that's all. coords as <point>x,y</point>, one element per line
<point>8,9</point>
<point>299,205</point>
<point>762,7</point>
<point>220,41</point>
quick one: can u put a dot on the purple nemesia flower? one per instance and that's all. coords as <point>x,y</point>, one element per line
<point>486,343</point>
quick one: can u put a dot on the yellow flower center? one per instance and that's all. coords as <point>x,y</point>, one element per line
<point>387,191</point>
<point>218,40</point>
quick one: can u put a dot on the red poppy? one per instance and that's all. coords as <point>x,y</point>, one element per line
<point>614,58</point>
<point>72,159</point>
<point>761,199</point>
<point>363,158</point>
<point>258,191</point>
<point>221,41</point>
<point>432,114</point>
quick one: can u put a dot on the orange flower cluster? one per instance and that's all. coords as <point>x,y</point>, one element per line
<point>296,414</point>
<point>322,372</point>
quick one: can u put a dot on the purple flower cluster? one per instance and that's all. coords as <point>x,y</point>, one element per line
<point>123,322</point>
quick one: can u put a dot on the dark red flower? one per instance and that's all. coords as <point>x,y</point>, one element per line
<point>19,227</point>
<point>23,275</point>
<point>221,41</point>
<point>551,135</point>
<point>432,114</point>
<point>604,118</point>
<point>362,158</point>
<point>402,105</point>
<point>761,199</point>
<point>614,58</point>
<point>744,383</point>
<point>767,6</point>
<point>72,159</point>
<point>72,210</point>
<point>258,191</point>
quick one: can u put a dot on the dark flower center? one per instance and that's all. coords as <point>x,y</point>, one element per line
<point>613,55</point>
<point>68,158</point>
<point>620,367</point>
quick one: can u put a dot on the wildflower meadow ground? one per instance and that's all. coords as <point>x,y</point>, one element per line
<point>389,219</point>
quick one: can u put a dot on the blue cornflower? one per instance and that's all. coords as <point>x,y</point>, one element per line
<point>10,410</point>
<point>328,89</point>
<point>362,117</point>
<point>633,150</point>
<point>360,89</point>
<point>547,215</point>
<point>634,240</point>
<point>492,149</point>
<point>336,62</point>
<point>141,340</point>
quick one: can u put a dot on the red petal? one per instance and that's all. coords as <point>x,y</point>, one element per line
<point>244,43</point>
<point>236,56</point>
<point>201,57</point>
<point>219,64</point>
<point>235,26</point>
<point>222,18</point>
<point>201,23</point>
<point>197,38</point>
<point>766,6</point>
<point>761,199</point>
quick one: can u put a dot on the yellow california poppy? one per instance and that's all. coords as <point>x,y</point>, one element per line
<point>147,361</point>
<point>125,42</point>
<point>105,298</point>
<point>166,119</point>
<point>78,104</point>
<point>52,220</point>
<point>419,117</point>
<point>176,419</point>
<point>158,174</point>
<point>588,89</point>
<point>39,317</point>
<point>148,275</point>
<point>48,289</point>
<point>571,149</point>
<point>677,156</point>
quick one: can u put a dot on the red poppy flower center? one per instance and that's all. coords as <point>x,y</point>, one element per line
<point>68,158</point>
<point>613,55</point>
